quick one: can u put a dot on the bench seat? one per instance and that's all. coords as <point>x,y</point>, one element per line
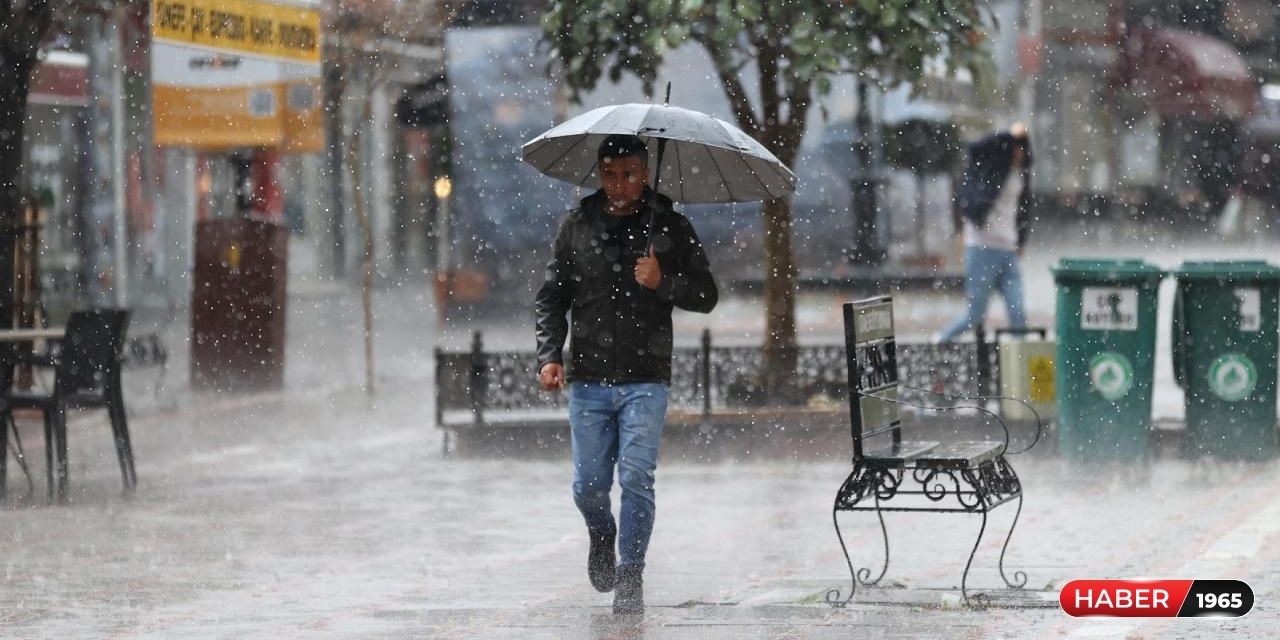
<point>898,454</point>
<point>961,455</point>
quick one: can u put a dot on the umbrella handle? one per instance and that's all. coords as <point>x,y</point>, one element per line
<point>657,180</point>
<point>657,174</point>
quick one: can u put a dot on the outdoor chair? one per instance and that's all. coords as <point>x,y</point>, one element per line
<point>7,425</point>
<point>86,366</point>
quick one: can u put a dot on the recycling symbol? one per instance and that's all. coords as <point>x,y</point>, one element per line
<point>1111,374</point>
<point>1232,377</point>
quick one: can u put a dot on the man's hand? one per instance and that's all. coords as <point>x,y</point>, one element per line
<point>648,273</point>
<point>551,376</point>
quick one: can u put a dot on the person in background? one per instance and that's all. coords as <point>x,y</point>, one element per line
<point>993,200</point>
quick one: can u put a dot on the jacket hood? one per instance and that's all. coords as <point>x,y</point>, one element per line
<point>997,149</point>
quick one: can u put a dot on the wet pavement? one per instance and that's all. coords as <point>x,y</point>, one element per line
<point>316,511</point>
<point>325,515</point>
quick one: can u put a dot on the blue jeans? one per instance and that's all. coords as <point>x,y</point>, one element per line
<point>987,269</point>
<point>622,424</point>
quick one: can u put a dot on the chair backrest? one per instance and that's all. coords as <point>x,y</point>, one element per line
<point>872,357</point>
<point>92,347</point>
<point>7,357</point>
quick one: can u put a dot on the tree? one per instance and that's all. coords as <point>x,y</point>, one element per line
<point>793,48</point>
<point>23,27</point>
<point>361,58</point>
<point>26,26</point>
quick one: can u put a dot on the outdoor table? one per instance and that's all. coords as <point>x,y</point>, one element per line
<point>24,335</point>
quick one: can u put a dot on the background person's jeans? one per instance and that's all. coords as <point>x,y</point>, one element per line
<point>619,423</point>
<point>986,269</point>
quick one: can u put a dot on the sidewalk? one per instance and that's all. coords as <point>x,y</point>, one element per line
<point>327,515</point>
<point>317,511</point>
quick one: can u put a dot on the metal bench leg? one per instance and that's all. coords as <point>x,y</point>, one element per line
<point>50,445</point>
<point>64,464</point>
<point>859,576</point>
<point>1019,577</point>
<point>865,573</point>
<point>833,595</point>
<point>964,579</point>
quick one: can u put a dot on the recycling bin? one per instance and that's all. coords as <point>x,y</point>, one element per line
<point>1225,340</point>
<point>1106,322</point>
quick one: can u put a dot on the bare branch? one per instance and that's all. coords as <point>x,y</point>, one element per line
<point>770,99</point>
<point>800,95</point>
<point>728,73</point>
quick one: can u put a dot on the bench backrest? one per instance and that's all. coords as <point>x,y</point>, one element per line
<point>872,358</point>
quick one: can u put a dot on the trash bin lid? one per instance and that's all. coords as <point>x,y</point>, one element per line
<point>1094,270</point>
<point>1228,270</point>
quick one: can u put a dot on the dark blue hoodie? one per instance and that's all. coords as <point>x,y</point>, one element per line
<point>990,161</point>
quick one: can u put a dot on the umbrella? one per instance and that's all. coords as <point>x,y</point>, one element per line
<point>701,158</point>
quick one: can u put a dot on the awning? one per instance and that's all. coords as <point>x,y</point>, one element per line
<point>1184,74</point>
<point>62,78</point>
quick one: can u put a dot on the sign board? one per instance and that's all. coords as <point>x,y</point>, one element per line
<point>874,322</point>
<point>1109,309</point>
<point>1111,375</point>
<point>1041,372</point>
<point>1250,309</point>
<point>424,104</point>
<point>873,374</point>
<point>1233,377</point>
<point>237,73</point>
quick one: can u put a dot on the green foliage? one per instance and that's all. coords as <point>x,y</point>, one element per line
<point>887,40</point>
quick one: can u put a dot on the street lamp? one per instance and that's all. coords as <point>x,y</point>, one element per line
<point>443,188</point>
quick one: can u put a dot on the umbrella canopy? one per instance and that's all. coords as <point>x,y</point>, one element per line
<point>705,160</point>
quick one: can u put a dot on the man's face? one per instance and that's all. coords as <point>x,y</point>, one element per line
<point>623,180</point>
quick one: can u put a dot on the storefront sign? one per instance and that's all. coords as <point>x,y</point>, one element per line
<point>236,73</point>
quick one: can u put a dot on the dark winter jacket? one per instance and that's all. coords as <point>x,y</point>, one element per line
<point>990,160</point>
<point>621,330</point>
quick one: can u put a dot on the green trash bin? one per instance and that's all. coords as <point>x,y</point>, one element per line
<point>1225,341</point>
<point>1106,357</point>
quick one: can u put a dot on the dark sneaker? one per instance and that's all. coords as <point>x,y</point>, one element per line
<point>628,594</point>
<point>601,560</point>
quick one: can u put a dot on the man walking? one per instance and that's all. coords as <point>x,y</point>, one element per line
<point>993,199</point>
<point>621,261</point>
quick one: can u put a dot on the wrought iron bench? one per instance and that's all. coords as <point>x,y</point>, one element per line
<point>928,475</point>
<point>492,394</point>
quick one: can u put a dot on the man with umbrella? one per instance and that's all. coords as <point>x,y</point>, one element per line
<point>622,260</point>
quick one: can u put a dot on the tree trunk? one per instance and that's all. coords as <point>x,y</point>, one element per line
<point>15,83</point>
<point>780,350</point>
<point>334,87</point>
<point>366,229</point>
